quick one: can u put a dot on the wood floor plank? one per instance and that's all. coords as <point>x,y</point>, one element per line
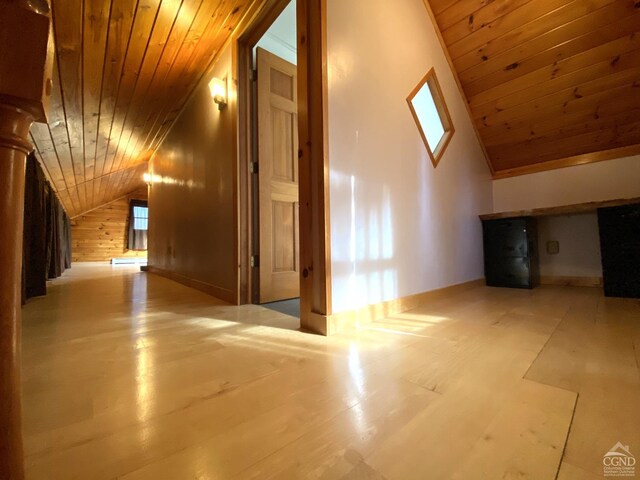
<point>592,353</point>
<point>571,472</point>
<point>168,382</point>
<point>526,439</point>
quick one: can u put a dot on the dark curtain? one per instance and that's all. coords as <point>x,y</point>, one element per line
<point>34,264</point>
<point>137,239</point>
<point>54,259</point>
<point>67,241</point>
<point>47,233</point>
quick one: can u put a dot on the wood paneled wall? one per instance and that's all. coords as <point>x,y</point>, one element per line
<point>192,197</point>
<point>101,234</point>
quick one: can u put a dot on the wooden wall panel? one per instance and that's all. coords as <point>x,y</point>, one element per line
<point>101,234</point>
<point>124,70</point>
<point>547,80</point>
<point>192,205</point>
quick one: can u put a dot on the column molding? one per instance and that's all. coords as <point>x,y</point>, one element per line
<point>14,147</point>
<point>26,68</point>
<point>15,124</point>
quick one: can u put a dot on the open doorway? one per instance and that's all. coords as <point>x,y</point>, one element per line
<point>302,223</point>
<point>273,139</point>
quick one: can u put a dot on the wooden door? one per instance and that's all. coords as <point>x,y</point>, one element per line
<point>279,262</point>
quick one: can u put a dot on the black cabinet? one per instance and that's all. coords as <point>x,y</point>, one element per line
<point>511,252</point>
<point>620,247</point>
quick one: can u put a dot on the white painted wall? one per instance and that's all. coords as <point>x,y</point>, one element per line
<point>280,39</point>
<point>606,180</point>
<point>398,226</point>
<point>579,246</point>
<point>578,235</point>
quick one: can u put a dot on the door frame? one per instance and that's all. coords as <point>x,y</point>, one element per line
<point>313,169</point>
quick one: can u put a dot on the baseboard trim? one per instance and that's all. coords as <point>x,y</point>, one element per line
<point>316,323</point>
<point>571,281</point>
<point>213,290</point>
<point>351,320</point>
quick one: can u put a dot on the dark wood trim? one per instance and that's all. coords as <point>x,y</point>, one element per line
<point>569,162</point>
<point>574,209</point>
<point>571,281</point>
<point>315,238</point>
<point>234,111</point>
<point>221,293</point>
<point>131,195</point>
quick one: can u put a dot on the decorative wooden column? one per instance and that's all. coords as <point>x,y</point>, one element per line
<point>25,85</point>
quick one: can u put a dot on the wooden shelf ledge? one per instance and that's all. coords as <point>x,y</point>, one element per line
<point>562,210</point>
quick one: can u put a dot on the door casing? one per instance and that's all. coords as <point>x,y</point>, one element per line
<point>315,250</point>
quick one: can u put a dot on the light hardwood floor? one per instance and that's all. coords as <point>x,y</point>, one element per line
<point>132,376</point>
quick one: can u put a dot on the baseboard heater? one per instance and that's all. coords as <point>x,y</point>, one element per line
<point>129,261</point>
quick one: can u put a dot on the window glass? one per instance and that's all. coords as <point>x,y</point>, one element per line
<point>431,116</point>
<point>140,218</point>
<point>428,116</point>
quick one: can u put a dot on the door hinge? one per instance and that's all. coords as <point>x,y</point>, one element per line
<point>253,167</point>
<point>253,75</point>
<point>255,261</point>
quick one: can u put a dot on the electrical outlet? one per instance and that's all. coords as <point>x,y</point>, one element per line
<point>553,247</point>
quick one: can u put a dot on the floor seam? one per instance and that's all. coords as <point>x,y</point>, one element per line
<point>566,440</point>
<point>524,377</point>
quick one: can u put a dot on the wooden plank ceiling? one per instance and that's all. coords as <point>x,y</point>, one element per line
<point>124,69</point>
<point>547,81</point>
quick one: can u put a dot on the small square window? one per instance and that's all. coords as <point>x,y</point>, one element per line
<point>431,116</point>
<point>140,218</point>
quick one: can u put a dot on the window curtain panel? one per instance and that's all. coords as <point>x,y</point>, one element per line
<point>34,245</point>
<point>137,239</point>
<point>46,248</point>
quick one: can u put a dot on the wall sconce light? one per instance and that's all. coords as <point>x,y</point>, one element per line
<point>218,89</point>
<point>147,178</point>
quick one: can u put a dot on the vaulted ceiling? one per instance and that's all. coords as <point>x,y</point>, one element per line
<point>124,69</point>
<point>549,82</point>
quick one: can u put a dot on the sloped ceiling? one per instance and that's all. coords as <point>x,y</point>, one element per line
<point>549,82</point>
<point>124,69</point>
